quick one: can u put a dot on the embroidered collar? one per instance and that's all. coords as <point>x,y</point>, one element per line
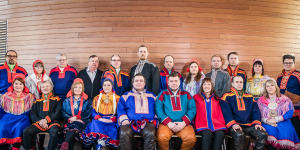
<point>233,72</point>
<point>284,73</point>
<point>117,75</point>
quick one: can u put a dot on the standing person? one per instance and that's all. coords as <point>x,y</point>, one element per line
<point>194,78</point>
<point>8,70</point>
<point>136,113</point>
<point>219,78</point>
<point>91,77</point>
<point>175,110</point>
<point>62,76</point>
<point>45,114</point>
<point>103,130</point>
<point>76,111</point>
<point>166,71</point>
<point>276,111</point>
<point>255,85</point>
<point>289,84</point>
<point>149,70</point>
<point>234,69</point>
<point>209,121</point>
<point>33,81</point>
<point>119,77</point>
<point>15,105</point>
<point>242,116</point>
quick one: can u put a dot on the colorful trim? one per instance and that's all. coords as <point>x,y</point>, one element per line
<point>282,144</point>
<point>229,124</point>
<point>252,123</point>
<point>90,138</point>
<point>186,120</point>
<point>42,129</point>
<point>10,141</point>
<point>48,119</point>
<point>166,121</point>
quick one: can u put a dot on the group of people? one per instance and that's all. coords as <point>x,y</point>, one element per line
<point>105,109</point>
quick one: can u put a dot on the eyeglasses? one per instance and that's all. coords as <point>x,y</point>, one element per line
<point>11,56</point>
<point>288,63</point>
<point>116,60</point>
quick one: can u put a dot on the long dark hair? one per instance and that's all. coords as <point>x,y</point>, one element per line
<point>189,76</point>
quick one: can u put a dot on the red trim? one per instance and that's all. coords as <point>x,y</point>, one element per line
<point>10,141</point>
<point>118,77</point>
<point>166,121</point>
<point>187,93</point>
<point>175,102</point>
<point>186,120</point>
<point>61,74</point>
<point>229,124</point>
<point>97,117</point>
<point>113,119</point>
<point>48,119</point>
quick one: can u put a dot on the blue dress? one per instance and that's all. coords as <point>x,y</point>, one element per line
<point>14,117</point>
<point>105,108</point>
<point>282,136</point>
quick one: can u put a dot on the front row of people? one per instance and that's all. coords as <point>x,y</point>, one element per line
<point>115,119</point>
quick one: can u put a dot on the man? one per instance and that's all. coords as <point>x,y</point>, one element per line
<point>219,78</point>
<point>175,110</point>
<point>91,77</point>
<point>62,76</point>
<point>234,69</point>
<point>166,71</point>
<point>118,76</point>
<point>242,116</point>
<point>148,69</point>
<point>8,70</point>
<point>289,84</point>
<point>45,114</point>
<point>136,113</point>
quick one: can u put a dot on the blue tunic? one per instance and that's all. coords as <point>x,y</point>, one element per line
<point>164,75</point>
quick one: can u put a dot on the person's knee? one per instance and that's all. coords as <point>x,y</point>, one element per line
<point>125,131</point>
<point>206,133</point>
<point>53,131</point>
<point>27,132</point>
<point>262,135</point>
<point>219,134</point>
<point>163,137</point>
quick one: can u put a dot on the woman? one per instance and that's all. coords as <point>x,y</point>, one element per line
<point>194,78</point>
<point>76,111</point>
<point>276,111</point>
<point>103,129</point>
<point>209,121</point>
<point>255,85</point>
<point>33,81</point>
<point>15,105</point>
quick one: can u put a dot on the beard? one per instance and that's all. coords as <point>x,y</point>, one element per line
<point>11,62</point>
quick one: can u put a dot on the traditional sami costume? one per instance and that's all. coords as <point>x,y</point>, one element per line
<point>48,107</point>
<point>62,80</point>
<point>137,108</point>
<point>15,115</point>
<point>209,121</point>
<point>104,106</point>
<point>240,108</point>
<point>81,109</point>
<point>6,76</point>
<point>120,78</point>
<point>283,135</point>
<point>175,107</point>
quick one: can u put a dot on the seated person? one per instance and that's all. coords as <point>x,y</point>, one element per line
<point>242,116</point>
<point>76,111</point>
<point>209,121</point>
<point>15,106</point>
<point>103,131</point>
<point>45,114</point>
<point>136,114</point>
<point>276,111</point>
<point>175,110</point>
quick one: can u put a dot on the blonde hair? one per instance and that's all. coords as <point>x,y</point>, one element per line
<point>272,82</point>
<point>76,83</point>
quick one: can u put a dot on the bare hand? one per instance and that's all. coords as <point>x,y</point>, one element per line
<point>109,121</point>
<point>237,127</point>
<point>72,119</point>
<point>259,127</point>
<point>126,122</point>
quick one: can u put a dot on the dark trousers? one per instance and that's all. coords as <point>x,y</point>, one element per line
<point>208,136</point>
<point>70,138</point>
<point>31,131</point>
<point>126,134</point>
<point>239,140</point>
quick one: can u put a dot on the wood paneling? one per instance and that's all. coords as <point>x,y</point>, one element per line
<point>186,29</point>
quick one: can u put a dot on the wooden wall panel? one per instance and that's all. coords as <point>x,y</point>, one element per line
<point>186,29</point>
